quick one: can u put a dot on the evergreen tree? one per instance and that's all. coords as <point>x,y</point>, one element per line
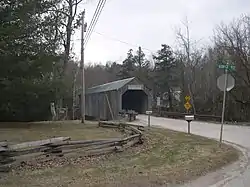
<point>142,66</point>
<point>128,66</point>
<point>166,70</point>
<point>26,83</point>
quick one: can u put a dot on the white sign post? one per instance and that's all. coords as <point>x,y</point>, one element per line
<point>149,113</point>
<point>158,104</point>
<point>189,118</point>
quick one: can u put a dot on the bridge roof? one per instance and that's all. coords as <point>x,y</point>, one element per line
<point>115,85</point>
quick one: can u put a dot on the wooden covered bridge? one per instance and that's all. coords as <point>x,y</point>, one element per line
<point>107,100</point>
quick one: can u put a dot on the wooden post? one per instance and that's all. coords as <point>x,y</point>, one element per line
<point>99,112</point>
<point>111,112</point>
<point>53,111</point>
<point>188,127</point>
<point>148,120</point>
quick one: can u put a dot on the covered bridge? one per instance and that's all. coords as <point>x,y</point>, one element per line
<point>107,100</point>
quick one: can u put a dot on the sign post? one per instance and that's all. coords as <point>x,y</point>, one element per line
<point>187,105</point>
<point>158,103</point>
<point>189,118</point>
<point>148,113</point>
<point>225,83</point>
<point>223,105</point>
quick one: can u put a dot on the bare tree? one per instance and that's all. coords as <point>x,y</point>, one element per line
<point>190,59</point>
<point>234,42</point>
<point>68,19</point>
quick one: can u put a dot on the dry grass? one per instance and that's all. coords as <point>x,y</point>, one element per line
<point>165,157</point>
<point>21,132</point>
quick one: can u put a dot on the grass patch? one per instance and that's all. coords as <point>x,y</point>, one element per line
<point>22,132</point>
<point>165,157</point>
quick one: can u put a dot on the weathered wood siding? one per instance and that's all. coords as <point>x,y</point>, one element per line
<point>97,105</point>
<point>113,100</point>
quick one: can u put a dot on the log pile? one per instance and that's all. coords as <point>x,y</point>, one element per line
<point>11,155</point>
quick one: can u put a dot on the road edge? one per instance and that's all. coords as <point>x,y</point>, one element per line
<point>243,162</point>
<point>224,175</point>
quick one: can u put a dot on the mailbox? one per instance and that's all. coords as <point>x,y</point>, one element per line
<point>189,117</point>
<point>149,112</point>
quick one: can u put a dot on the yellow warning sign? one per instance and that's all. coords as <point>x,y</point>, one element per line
<point>187,105</point>
<point>187,98</point>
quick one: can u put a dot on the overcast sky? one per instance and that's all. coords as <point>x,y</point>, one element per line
<point>150,23</point>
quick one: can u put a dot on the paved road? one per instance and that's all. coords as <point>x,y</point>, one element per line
<point>236,175</point>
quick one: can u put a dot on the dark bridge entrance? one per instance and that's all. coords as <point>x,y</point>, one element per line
<point>136,100</point>
<point>106,101</point>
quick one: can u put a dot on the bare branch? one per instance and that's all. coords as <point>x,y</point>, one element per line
<point>69,1</point>
<point>78,2</point>
<point>75,11</point>
<point>58,11</point>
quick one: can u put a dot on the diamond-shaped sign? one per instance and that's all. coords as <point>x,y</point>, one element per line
<point>187,105</point>
<point>187,98</point>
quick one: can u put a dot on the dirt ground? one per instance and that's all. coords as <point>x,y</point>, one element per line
<point>165,157</point>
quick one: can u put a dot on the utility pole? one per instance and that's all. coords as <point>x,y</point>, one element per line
<point>74,95</point>
<point>84,26</point>
<point>139,60</point>
<point>73,100</point>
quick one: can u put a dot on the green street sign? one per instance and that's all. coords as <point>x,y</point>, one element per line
<point>222,66</point>
<point>232,68</point>
<point>227,67</point>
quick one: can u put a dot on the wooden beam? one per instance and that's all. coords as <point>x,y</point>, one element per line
<point>3,144</point>
<point>110,109</point>
<point>37,143</point>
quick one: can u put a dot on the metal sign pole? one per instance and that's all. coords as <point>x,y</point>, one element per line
<point>223,104</point>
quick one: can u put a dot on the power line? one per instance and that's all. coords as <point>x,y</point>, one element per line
<point>121,41</point>
<point>94,20</point>
<point>115,39</point>
<point>109,1</point>
<point>94,17</point>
